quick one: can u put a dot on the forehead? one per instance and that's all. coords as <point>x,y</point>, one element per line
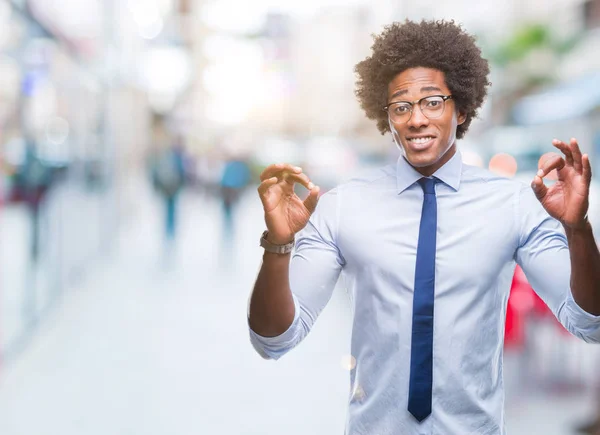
<point>414,82</point>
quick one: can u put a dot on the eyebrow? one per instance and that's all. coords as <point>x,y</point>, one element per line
<point>423,89</point>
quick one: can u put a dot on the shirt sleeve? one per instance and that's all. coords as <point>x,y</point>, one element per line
<point>543,254</point>
<point>314,270</point>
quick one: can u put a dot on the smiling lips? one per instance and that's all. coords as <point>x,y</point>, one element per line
<point>420,139</point>
<point>420,142</point>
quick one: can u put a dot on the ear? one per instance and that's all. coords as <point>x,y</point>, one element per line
<point>462,117</point>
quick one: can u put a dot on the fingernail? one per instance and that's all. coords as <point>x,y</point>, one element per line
<point>310,186</point>
<point>540,173</point>
<point>298,168</point>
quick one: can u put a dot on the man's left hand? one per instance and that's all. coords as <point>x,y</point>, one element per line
<point>568,199</point>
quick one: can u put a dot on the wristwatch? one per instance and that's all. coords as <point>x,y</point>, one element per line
<point>275,249</point>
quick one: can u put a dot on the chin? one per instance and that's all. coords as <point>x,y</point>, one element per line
<point>422,161</point>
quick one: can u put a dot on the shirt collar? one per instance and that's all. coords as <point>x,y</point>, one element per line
<point>449,174</point>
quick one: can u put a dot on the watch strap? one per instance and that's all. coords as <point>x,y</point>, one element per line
<point>275,249</point>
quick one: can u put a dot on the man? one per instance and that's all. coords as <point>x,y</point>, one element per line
<point>428,247</point>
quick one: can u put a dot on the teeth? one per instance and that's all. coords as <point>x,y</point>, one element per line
<point>421,139</point>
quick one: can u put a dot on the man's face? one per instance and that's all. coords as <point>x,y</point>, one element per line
<point>426,143</point>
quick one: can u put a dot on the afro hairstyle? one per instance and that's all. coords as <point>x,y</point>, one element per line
<point>441,45</point>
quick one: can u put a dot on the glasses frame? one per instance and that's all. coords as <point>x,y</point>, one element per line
<point>412,106</point>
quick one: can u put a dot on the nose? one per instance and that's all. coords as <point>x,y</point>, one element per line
<point>417,118</point>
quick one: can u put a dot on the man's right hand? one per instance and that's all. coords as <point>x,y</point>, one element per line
<point>285,212</point>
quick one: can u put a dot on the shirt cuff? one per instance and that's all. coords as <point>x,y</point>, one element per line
<point>583,324</point>
<point>276,347</point>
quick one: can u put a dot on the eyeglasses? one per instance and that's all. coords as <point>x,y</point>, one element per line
<point>432,107</point>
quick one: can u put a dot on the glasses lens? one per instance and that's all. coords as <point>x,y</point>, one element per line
<point>432,107</point>
<point>399,112</point>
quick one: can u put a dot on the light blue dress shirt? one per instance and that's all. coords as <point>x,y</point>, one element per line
<point>367,231</point>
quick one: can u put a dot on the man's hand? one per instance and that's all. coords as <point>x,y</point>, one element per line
<point>285,212</point>
<point>568,199</point>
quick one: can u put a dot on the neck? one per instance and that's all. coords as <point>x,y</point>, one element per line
<point>428,171</point>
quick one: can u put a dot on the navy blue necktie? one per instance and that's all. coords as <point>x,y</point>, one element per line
<point>421,354</point>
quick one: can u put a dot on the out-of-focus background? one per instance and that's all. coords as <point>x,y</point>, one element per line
<point>132,133</point>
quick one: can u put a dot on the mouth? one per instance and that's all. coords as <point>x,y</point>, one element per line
<point>420,143</point>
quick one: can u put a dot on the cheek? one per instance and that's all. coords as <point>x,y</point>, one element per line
<point>450,125</point>
<point>396,134</point>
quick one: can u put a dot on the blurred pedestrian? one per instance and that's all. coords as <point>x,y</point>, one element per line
<point>31,182</point>
<point>168,176</point>
<point>234,179</point>
<point>428,231</point>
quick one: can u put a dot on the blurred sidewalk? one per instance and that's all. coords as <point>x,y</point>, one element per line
<point>151,345</point>
<point>73,222</point>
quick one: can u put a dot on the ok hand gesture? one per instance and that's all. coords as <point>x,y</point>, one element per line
<point>568,199</point>
<point>285,212</point>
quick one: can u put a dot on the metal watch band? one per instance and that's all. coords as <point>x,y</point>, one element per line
<point>275,249</point>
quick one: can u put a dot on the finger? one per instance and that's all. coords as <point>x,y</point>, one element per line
<point>544,157</point>
<point>586,168</point>
<point>539,188</point>
<point>564,148</point>
<point>265,185</point>
<point>576,152</point>
<point>552,175</point>
<point>292,178</point>
<point>277,169</point>
<point>553,161</point>
<point>263,189</point>
<point>312,199</point>
<point>297,178</point>
<point>269,170</point>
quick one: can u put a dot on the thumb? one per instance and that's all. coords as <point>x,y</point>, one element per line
<point>539,188</point>
<point>311,200</point>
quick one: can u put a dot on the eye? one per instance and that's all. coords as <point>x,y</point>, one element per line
<point>401,109</point>
<point>434,103</point>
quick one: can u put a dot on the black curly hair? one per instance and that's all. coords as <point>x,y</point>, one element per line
<point>441,45</point>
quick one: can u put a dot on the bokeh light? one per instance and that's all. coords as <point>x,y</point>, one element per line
<point>348,362</point>
<point>472,158</point>
<point>503,164</point>
<point>57,130</point>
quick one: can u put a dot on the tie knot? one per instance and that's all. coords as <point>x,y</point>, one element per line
<point>428,185</point>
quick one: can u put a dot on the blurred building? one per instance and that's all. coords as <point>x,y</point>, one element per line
<point>81,80</point>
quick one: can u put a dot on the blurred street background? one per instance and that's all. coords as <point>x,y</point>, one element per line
<point>132,133</point>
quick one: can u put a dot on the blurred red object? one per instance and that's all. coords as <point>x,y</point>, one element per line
<point>523,304</point>
<point>520,303</point>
